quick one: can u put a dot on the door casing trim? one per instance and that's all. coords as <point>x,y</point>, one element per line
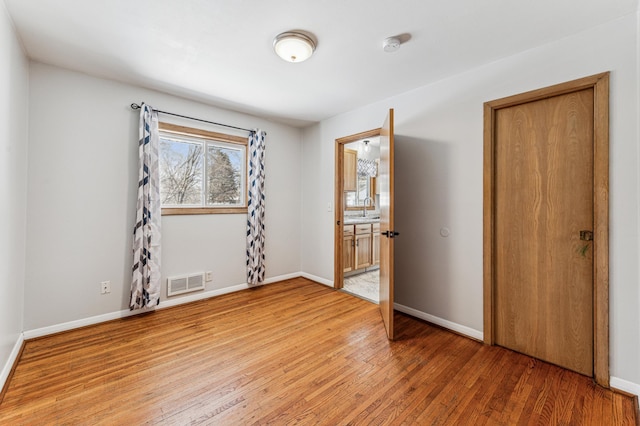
<point>600,85</point>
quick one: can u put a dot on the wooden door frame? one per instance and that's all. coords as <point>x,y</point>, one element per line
<point>338,274</point>
<point>600,85</point>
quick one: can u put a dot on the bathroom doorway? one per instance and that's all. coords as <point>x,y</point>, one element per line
<point>361,218</point>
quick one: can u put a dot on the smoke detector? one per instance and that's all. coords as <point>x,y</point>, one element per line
<point>391,44</point>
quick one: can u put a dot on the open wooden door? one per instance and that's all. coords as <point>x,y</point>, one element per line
<point>385,179</point>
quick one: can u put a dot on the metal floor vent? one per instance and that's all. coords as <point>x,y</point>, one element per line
<point>185,284</point>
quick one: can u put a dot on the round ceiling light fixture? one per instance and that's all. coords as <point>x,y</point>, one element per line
<point>294,46</point>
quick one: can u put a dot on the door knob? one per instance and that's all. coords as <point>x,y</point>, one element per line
<point>390,234</point>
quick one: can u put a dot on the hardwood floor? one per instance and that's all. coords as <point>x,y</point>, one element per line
<point>293,352</point>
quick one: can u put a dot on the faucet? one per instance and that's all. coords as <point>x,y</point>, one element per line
<point>364,205</point>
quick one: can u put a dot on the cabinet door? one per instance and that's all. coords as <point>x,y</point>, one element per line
<point>350,170</point>
<point>363,251</point>
<point>376,248</point>
<point>375,244</point>
<point>348,253</point>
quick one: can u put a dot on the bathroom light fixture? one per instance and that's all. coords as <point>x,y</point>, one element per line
<point>294,46</point>
<point>366,145</point>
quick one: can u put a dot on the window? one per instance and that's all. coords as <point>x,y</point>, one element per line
<point>201,172</point>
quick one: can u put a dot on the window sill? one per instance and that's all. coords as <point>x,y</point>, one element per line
<point>172,211</point>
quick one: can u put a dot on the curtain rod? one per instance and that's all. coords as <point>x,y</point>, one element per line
<point>136,106</point>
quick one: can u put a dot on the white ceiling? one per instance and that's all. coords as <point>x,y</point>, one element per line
<point>220,51</point>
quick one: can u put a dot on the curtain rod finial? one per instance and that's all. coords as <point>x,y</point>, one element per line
<point>135,106</point>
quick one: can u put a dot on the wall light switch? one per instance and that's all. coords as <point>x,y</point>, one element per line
<point>329,206</point>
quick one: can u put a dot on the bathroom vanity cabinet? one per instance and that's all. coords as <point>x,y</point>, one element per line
<point>363,239</point>
<point>360,246</point>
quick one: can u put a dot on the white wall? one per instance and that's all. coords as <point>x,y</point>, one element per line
<point>439,152</point>
<point>82,199</point>
<point>14,92</point>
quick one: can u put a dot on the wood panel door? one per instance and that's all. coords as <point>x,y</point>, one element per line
<point>385,179</point>
<point>543,220</point>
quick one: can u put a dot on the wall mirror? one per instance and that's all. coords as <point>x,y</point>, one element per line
<point>365,188</point>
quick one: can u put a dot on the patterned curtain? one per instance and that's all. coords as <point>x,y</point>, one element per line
<point>255,213</point>
<point>145,283</point>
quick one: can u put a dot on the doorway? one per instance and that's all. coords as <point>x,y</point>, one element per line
<point>546,225</point>
<point>358,215</point>
<point>361,218</point>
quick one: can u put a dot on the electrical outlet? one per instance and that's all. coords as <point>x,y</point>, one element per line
<point>105,287</point>
<point>208,276</point>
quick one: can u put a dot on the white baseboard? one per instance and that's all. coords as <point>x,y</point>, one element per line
<point>462,329</point>
<point>282,278</point>
<point>13,359</point>
<point>175,301</point>
<point>317,279</point>
<point>624,385</point>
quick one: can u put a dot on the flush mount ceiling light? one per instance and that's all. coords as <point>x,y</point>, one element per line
<point>294,46</point>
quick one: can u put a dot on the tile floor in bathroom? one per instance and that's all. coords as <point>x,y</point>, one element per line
<point>365,285</point>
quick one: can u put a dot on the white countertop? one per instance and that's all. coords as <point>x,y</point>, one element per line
<point>351,220</point>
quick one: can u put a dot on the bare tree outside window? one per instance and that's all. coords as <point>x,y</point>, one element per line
<point>180,172</point>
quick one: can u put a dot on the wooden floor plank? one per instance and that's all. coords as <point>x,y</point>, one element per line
<point>293,352</point>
